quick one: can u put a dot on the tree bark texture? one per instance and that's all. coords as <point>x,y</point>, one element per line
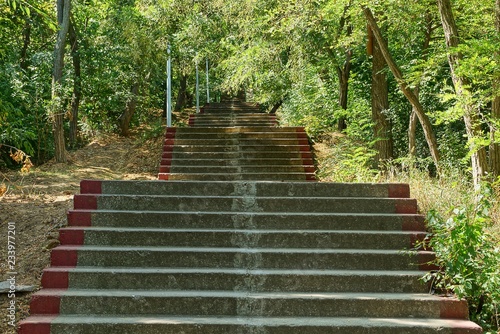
<point>128,113</point>
<point>181,95</point>
<point>344,71</point>
<point>344,74</point>
<point>77,87</point>
<point>412,98</point>
<point>495,109</point>
<point>380,103</point>
<point>63,15</point>
<point>471,118</point>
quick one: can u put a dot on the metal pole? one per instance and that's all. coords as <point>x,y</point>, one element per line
<point>197,88</point>
<point>169,89</point>
<point>208,86</point>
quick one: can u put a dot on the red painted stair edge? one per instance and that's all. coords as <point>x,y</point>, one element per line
<point>38,325</point>
<point>45,308</point>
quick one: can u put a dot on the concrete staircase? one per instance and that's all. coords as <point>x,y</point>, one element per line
<point>235,141</point>
<point>241,256</point>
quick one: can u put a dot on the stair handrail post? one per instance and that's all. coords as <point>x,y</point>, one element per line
<point>169,88</point>
<point>208,85</point>
<point>197,88</point>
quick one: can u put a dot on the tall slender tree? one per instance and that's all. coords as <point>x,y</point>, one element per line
<point>495,108</point>
<point>380,101</point>
<point>461,83</point>
<point>58,112</point>
<point>411,96</point>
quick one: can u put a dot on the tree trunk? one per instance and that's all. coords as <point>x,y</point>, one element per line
<point>412,126</point>
<point>380,103</point>
<point>471,118</point>
<point>344,72</point>
<point>276,106</point>
<point>412,133</point>
<point>63,14</point>
<point>26,43</point>
<point>424,120</point>
<point>77,88</point>
<point>181,95</point>
<point>495,110</point>
<point>126,116</point>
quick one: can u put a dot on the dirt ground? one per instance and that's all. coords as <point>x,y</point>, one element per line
<point>35,205</point>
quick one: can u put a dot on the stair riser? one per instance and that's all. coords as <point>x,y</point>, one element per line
<point>236,136</point>
<point>233,124</point>
<point>235,148</point>
<point>302,239</point>
<point>229,117</point>
<point>265,189</point>
<point>283,221</point>
<point>230,259</point>
<point>252,307</point>
<point>245,204</point>
<point>289,177</point>
<point>242,142</point>
<point>236,130</point>
<point>235,162</point>
<point>173,327</point>
<point>240,170</point>
<point>237,155</point>
<point>346,282</point>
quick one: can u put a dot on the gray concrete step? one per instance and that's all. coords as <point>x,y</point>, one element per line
<point>111,236</point>
<point>246,169</point>
<point>249,303</point>
<point>214,279</point>
<point>234,130</point>
<point>236,162</point>
<point>248,220</point>
<point>145,324</point>
<point>233,124</point>
<point>254,188</point>
<point>201,135</point>
<point>236,148</point>
<point>237,141</point>
<point>255,258</point>
<point>291,176</point>
<point>246,203</point>
<point>235,155</point>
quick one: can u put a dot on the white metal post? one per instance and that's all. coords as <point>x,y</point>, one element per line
<point>197,88</point>
<point>169,89</point>
<point>208,85</point>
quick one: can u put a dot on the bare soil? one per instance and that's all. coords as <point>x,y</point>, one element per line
<point>36,204</point>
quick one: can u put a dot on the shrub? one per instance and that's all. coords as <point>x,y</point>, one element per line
<point>469,258</point>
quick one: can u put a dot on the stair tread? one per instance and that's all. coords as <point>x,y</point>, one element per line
<point>239,271</point>
<point>259,321</point>
<point>240,250</point>
<point>245,294</point>
<point>242,231</point>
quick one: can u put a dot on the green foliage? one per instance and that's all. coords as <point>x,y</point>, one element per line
<point>469,257</point>
<point>348,161</point>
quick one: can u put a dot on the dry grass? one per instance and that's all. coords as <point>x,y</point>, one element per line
<point>335,155</point>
